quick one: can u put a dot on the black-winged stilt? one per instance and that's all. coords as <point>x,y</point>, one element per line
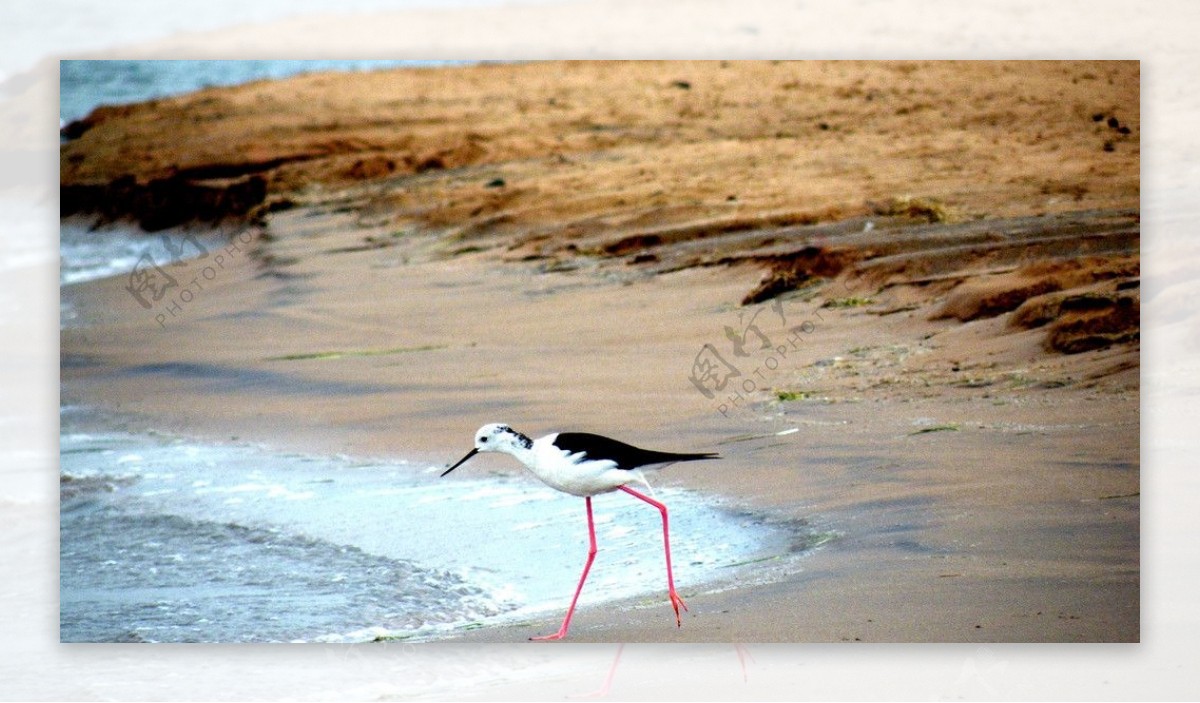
<point>584,465</point>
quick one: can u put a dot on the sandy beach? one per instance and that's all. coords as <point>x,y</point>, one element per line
<point>901,299</point>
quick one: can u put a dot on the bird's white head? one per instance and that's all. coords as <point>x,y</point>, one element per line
<point>498,437</point>
<point>495,437</point>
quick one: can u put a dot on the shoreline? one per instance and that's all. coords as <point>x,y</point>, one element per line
<point>984,484</point>
<point>747,607</point>
<point>864,470</point>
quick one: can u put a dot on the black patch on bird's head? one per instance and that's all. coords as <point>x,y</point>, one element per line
<point>520,438</point>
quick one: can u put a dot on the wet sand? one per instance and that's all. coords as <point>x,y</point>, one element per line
<point>920,279</point>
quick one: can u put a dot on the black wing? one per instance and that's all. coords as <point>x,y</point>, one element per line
<point>626,456</point>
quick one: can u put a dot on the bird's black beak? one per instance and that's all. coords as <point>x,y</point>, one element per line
<point>461,461</point>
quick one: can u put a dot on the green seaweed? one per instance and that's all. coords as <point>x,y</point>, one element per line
<point>792,395</point>
<point>950,427</point>
<point>850,302</point>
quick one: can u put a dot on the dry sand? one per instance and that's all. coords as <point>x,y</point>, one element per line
<point>553,245</point>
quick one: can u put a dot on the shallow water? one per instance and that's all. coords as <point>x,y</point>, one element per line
<point>169,540</point>
<point>87,255</point>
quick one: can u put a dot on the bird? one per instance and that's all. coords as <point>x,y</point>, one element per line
<point>584,464</point>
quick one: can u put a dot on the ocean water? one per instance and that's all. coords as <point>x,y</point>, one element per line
<point>86,255</point>
<point>165,539</point>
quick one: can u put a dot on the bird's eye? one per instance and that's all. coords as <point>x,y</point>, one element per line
<point>483,439</point>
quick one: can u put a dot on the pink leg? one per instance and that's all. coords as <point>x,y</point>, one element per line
<point>562,631</point>
<point>676,601</point>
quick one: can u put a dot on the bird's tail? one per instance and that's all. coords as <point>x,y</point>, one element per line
<point>664,457</point>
